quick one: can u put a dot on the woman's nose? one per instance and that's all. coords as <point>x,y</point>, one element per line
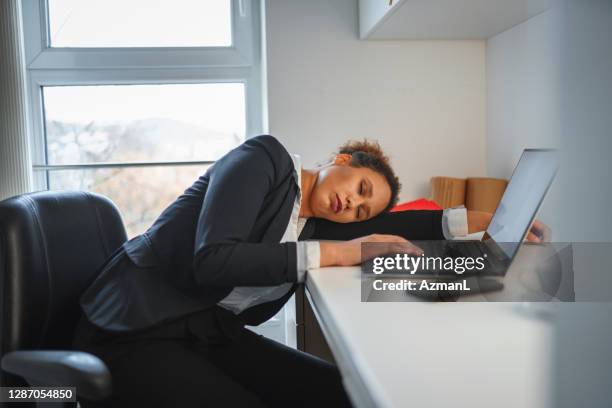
<point>352,202</point>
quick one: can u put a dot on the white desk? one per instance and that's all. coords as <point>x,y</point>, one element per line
<point>426,354</point>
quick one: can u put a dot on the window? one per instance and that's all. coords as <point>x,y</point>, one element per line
<point>139,123</point>
<point>135,99</point>
<point>131,124</point>
<point>137,23</point>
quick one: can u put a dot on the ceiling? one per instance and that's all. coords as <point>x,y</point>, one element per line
<point>453,19</point>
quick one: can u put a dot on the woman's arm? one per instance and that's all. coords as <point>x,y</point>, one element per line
<point>236,191</point>
<point>411,225</point>
<point>346,253</point>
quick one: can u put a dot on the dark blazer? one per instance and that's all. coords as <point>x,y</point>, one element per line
<point>222,232</point>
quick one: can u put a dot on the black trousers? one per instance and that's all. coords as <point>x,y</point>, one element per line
<point>208,359</point>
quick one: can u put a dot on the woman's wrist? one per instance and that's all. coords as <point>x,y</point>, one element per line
<point>329,253</point>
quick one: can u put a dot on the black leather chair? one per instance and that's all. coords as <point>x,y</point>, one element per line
<point>52,244</point>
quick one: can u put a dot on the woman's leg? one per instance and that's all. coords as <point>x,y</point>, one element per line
<point>279,375</point>
<point>168,373</point>
<point>160,372</point>
<point>188,372</point>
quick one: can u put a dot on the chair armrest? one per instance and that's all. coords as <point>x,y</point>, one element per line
<point>78,369</point>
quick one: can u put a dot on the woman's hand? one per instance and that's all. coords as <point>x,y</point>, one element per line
<point>349,253</point>
<point>479,221</point>
<point>539,232</point>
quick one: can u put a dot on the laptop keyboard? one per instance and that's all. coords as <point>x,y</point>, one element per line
<point>465,249</point>
<point>451,249</point>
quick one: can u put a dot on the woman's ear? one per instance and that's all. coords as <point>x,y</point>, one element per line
<point>342,159</point>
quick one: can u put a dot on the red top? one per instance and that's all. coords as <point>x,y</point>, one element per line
<point>419,204</point>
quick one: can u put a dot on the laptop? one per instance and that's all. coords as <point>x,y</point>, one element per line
<point>511,221</point>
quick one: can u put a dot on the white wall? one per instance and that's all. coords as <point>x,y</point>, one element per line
<point>523,98</point>
<point>522,92</point>
<point>424,101</point>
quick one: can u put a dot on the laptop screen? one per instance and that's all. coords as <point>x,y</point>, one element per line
<point>517,209</point>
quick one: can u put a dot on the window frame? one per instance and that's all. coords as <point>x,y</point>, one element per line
<point>241,62</point>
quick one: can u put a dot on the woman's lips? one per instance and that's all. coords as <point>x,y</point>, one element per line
<point>338,204</point>
<point>333,203</point>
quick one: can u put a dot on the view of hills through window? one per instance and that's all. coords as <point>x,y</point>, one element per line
<point>135,124</point>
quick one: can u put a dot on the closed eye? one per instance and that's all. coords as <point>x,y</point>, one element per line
<point>362,213</point>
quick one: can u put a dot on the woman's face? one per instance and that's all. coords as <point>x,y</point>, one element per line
<point>344,193</point>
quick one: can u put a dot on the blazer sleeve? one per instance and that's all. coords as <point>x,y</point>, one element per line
<point>234,197</point>
<point>412,225</point>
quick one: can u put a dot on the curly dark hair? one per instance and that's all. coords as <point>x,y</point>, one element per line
<point>369,154</point>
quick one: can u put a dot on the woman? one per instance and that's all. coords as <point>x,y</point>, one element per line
<point>167,311</point>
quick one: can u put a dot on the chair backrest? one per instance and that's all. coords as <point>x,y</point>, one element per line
<point>52,245</point>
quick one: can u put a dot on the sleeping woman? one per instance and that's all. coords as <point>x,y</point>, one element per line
<point>168,310</point>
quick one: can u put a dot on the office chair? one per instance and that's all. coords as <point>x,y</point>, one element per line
<point>52,244</point>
